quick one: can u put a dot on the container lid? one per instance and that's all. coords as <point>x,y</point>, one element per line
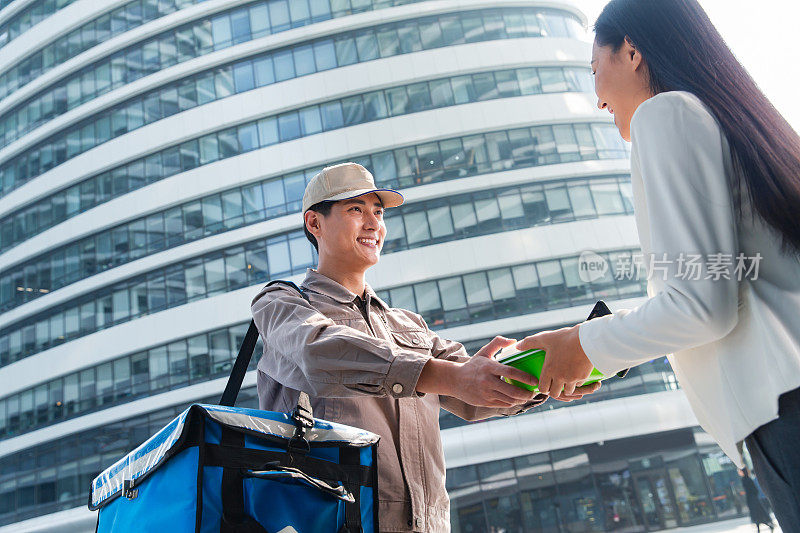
<point>152,452</point>
<point>513,358</point>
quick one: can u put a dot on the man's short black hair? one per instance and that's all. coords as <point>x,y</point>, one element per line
<point>324,209</point>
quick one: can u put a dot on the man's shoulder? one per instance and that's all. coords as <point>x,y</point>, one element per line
<point>273,291</point>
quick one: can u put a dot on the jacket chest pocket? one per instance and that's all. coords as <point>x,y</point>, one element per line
<point>351,320</point>
<point>411,339</point>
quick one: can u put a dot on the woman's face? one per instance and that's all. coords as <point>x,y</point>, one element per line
<point>620,82</point>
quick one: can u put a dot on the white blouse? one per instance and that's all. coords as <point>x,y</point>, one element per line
<point>734,343</point>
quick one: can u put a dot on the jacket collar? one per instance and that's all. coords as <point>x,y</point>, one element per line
<point>321,284</point>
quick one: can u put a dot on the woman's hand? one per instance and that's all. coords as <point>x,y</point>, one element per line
<point>580,392</point>
<point>565,365</point>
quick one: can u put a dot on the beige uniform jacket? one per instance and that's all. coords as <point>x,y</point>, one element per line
<point>359,361</point>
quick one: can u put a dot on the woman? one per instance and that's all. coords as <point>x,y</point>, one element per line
<point>758,511</point>
<point>715,171</point>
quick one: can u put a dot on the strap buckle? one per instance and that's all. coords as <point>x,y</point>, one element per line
<point>303,418</point>
<point>128,490</point>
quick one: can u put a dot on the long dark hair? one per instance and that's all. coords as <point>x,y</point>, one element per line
<point>683,51</point>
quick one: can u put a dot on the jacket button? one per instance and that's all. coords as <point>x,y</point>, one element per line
<point>418,522</point>
<point>415,340</point>
<point>397,388</point>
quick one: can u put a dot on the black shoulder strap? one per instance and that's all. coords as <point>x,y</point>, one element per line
<point>601,309</point>
<point>246,353</point>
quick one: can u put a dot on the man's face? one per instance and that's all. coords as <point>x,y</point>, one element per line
<point>352,234</point>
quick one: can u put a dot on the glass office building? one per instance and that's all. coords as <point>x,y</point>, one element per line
<point>152,161</point>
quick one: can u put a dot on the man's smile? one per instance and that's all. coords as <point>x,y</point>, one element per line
<point>368,242</point>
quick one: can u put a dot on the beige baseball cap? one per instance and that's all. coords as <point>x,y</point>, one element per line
<point>345,181</point>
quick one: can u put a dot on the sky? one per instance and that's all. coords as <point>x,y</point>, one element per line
<point>762,35</point>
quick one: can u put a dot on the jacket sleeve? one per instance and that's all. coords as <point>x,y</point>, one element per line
<point>455,351</point>
<point>678,148</point>
<point>309,352</point>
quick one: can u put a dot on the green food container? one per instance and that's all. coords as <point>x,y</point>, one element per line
<point>531,361</point>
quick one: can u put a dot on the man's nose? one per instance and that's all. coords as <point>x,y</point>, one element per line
<point>371,221</point>
<point>601,104</point>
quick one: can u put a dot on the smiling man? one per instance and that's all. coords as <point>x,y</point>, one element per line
<point>371,366</point>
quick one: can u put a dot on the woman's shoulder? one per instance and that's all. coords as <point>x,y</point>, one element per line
<point>678,111</point>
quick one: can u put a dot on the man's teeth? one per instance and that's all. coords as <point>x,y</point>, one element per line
<point>373,242</point>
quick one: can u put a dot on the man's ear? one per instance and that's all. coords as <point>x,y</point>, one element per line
<point>312,222</point>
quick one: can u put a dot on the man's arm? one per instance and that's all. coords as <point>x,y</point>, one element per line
<point>314,354</point>
<point>481,376</point>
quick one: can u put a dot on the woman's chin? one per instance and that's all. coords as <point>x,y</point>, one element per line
<point>625,132</point>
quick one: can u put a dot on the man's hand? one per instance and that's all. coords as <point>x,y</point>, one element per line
<point>477,381</point>
<point>565,365</point>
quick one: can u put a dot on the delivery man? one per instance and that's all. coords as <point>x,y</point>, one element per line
<point>371,366</point>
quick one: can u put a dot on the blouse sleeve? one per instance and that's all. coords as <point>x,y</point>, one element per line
<point>678,148</point>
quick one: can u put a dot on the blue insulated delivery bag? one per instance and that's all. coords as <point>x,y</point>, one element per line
<point>222,469</point>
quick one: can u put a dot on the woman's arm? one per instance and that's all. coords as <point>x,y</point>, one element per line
<point>678,147</point>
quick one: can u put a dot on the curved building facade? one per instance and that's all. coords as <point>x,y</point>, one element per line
<point>154,155</point>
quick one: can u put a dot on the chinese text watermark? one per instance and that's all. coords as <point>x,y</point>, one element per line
<point>593,267</point>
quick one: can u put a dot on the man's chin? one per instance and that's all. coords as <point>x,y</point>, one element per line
<point>369,259</point>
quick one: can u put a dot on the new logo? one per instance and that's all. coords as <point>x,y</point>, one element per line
<point>591,267</point>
